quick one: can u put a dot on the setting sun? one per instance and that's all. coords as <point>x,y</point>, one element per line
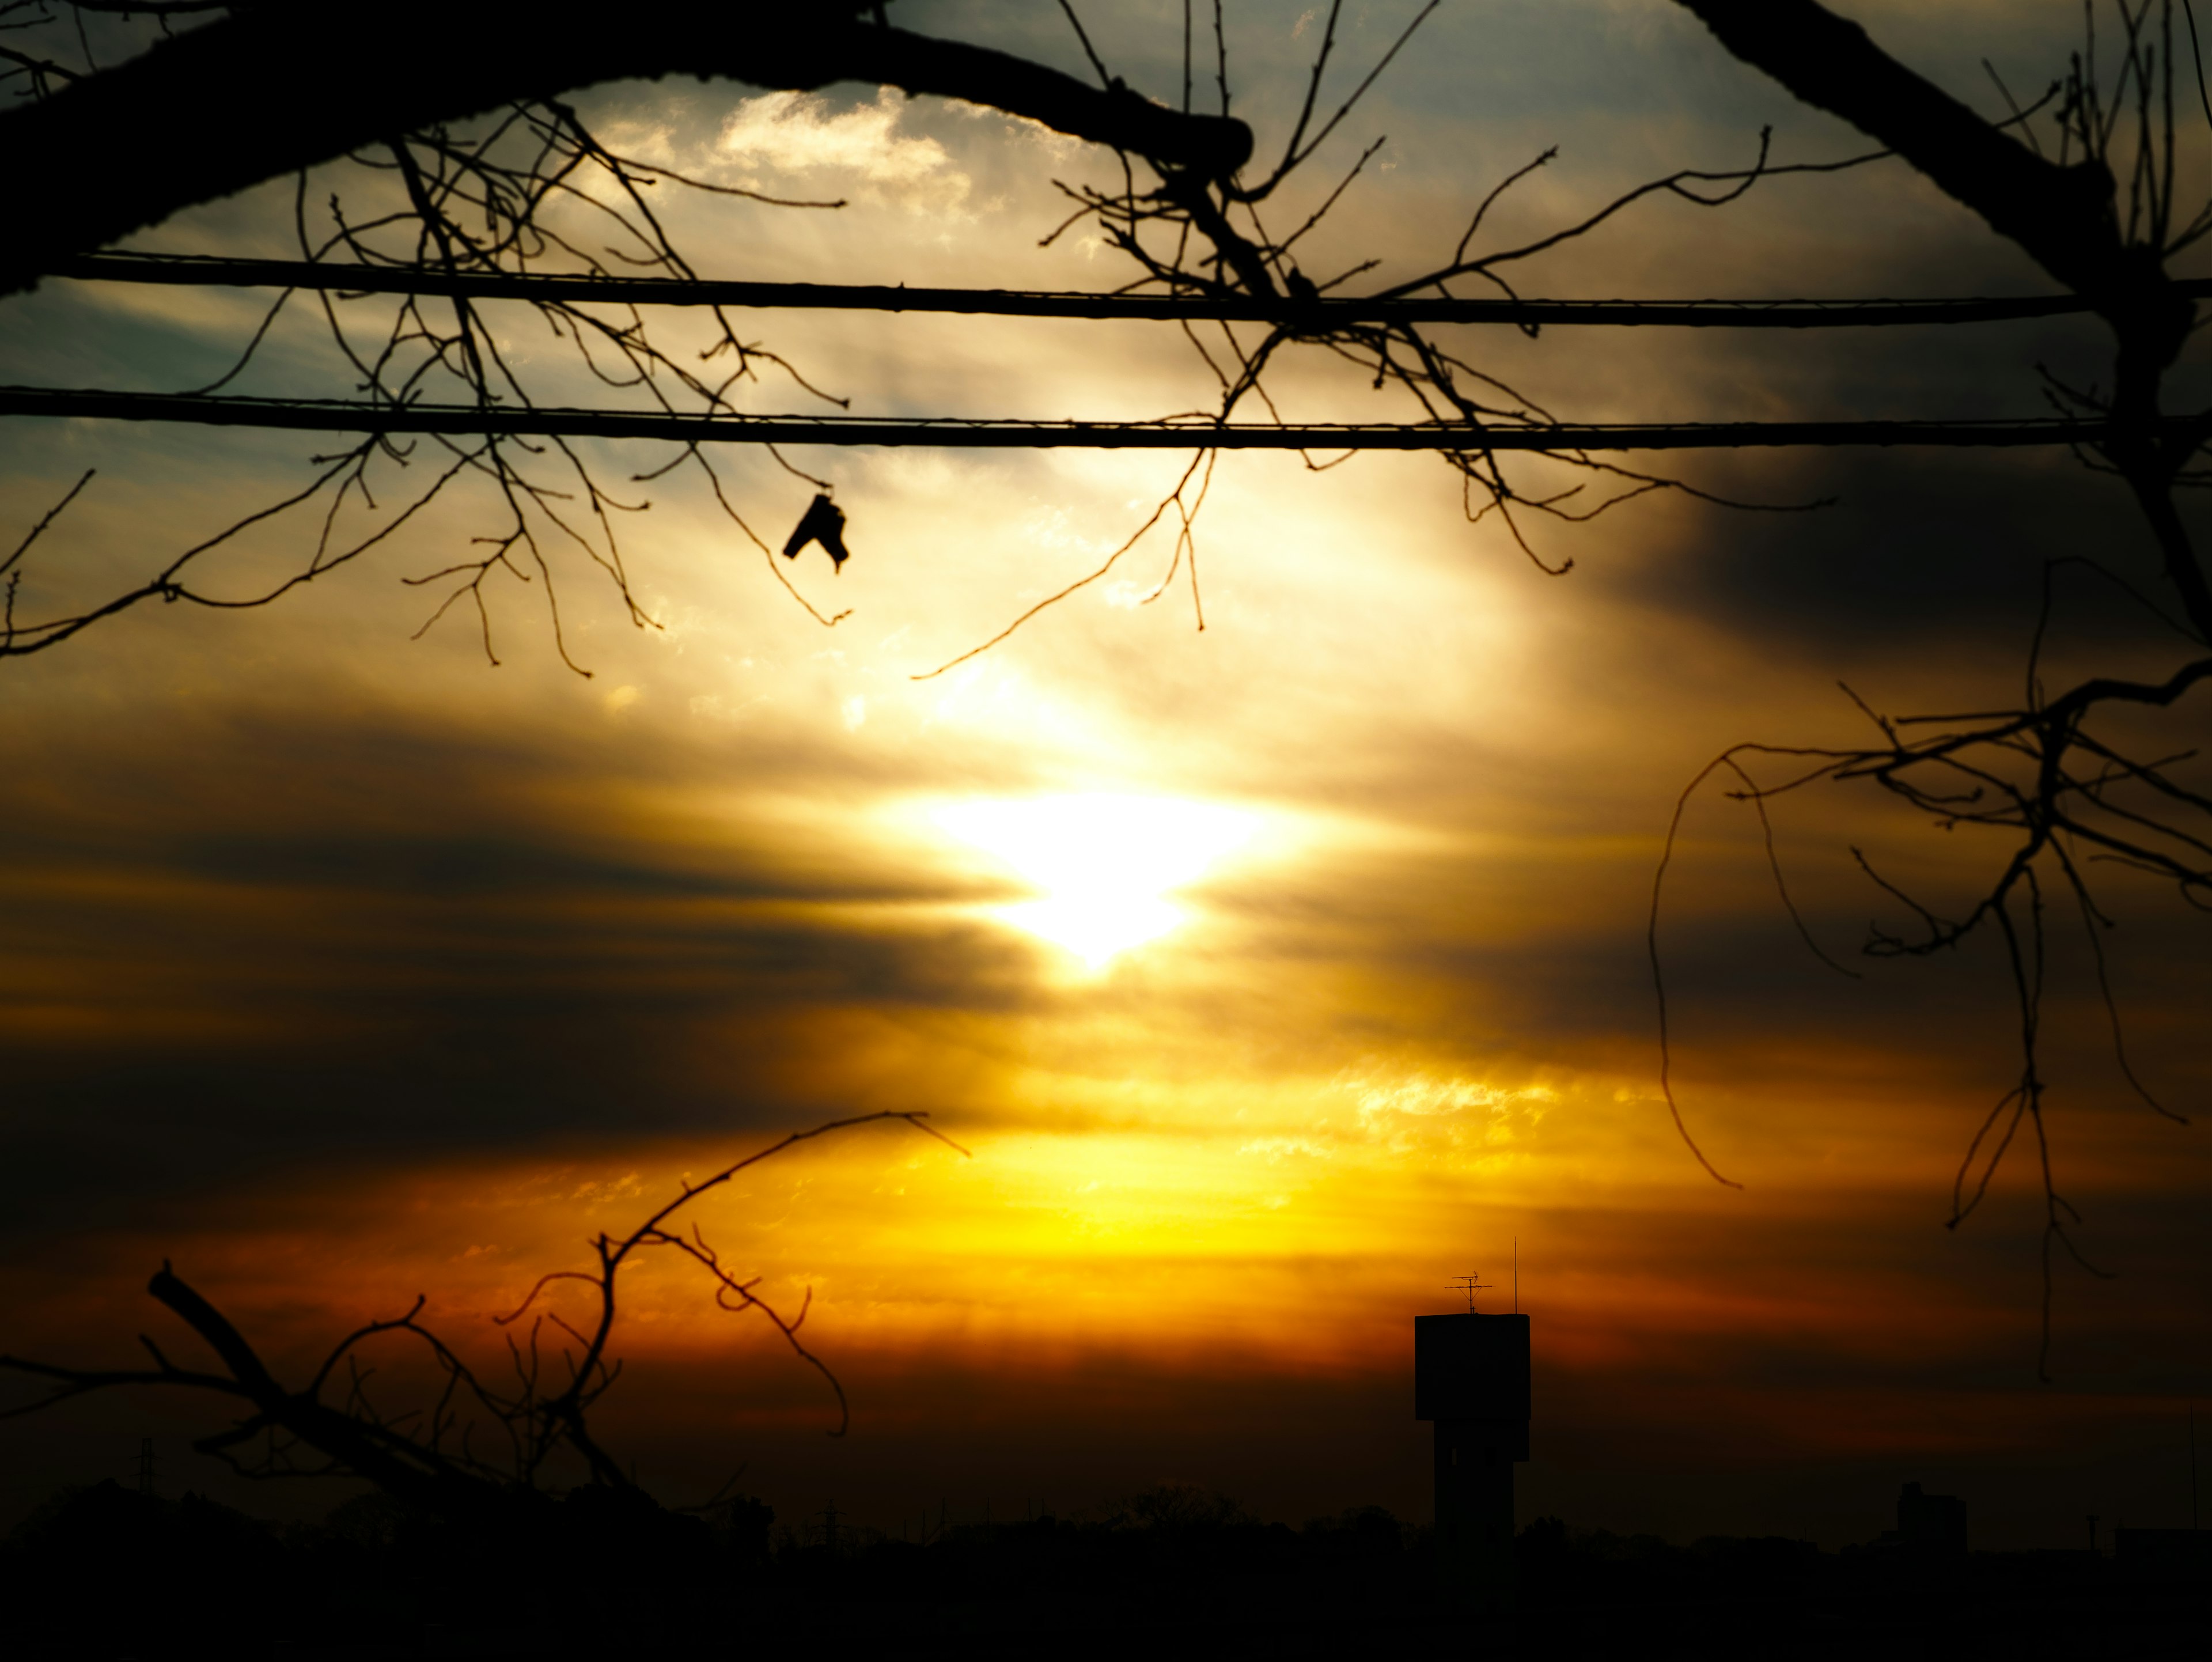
<point>1105,863</point>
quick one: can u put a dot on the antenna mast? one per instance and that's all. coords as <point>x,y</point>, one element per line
<point>1470,1285</point>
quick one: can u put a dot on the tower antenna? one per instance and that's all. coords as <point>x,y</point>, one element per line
<point>1516,1274</point>
<point>1472,1284</point>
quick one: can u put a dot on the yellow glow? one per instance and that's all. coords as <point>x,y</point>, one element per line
<point>1104,863</point>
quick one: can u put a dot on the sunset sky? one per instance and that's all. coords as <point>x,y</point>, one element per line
<point>1275,974</point>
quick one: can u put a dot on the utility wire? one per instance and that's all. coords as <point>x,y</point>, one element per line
<point>1324,313</point>
<point>338,416</point>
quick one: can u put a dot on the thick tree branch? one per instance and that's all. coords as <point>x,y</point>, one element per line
<point>423,1480</point>
<point>422,1459</point>
<point>212,1325</point>
<point>259,95</point>
<point>2062,217</point>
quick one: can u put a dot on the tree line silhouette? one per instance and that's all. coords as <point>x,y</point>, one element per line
<point>1174,1566</point>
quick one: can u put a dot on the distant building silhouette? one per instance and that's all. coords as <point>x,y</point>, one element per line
<point>2155,1555</point>
<point>1928,1525</point>
<point>1471,1379</point>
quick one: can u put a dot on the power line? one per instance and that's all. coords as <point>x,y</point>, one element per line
<point>1326,313</point>
<point>960,433</point>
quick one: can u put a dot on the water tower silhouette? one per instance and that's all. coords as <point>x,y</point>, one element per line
<point>1471,1379</point>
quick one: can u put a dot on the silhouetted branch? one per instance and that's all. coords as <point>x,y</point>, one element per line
<point>425,1457</point>
<point>2036,773</point>
<point>1201,467</point>
<point>2013,771</point>
<point>613,1254</point>
<point>238,86</point>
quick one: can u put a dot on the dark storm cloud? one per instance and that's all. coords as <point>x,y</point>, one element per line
<point>1532,945</point>
<point>1918,553</point>
<point>490,866</point>
<point>250,980</point>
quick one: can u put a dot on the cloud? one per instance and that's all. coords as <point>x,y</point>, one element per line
<point>1421,1113</point>
<point>802,133</point>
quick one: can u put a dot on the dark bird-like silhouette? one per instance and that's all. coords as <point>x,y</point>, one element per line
<point>824,522</point>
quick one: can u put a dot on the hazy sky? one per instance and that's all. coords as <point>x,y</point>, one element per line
<point>1275,974</point>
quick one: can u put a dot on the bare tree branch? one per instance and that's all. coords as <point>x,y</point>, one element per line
<point>242,88</point>
<point>425,1457</point>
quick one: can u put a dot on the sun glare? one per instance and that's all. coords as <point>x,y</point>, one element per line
<point>1104,864</point>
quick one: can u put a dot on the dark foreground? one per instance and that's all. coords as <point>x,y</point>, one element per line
<point>106,1573</point>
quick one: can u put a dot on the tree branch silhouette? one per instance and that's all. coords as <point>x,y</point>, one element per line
<point>426,1456</point>
<point>2063,795</point>
<point>262,97</point>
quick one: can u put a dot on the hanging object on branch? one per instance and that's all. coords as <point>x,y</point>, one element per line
<point>824,522</point>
